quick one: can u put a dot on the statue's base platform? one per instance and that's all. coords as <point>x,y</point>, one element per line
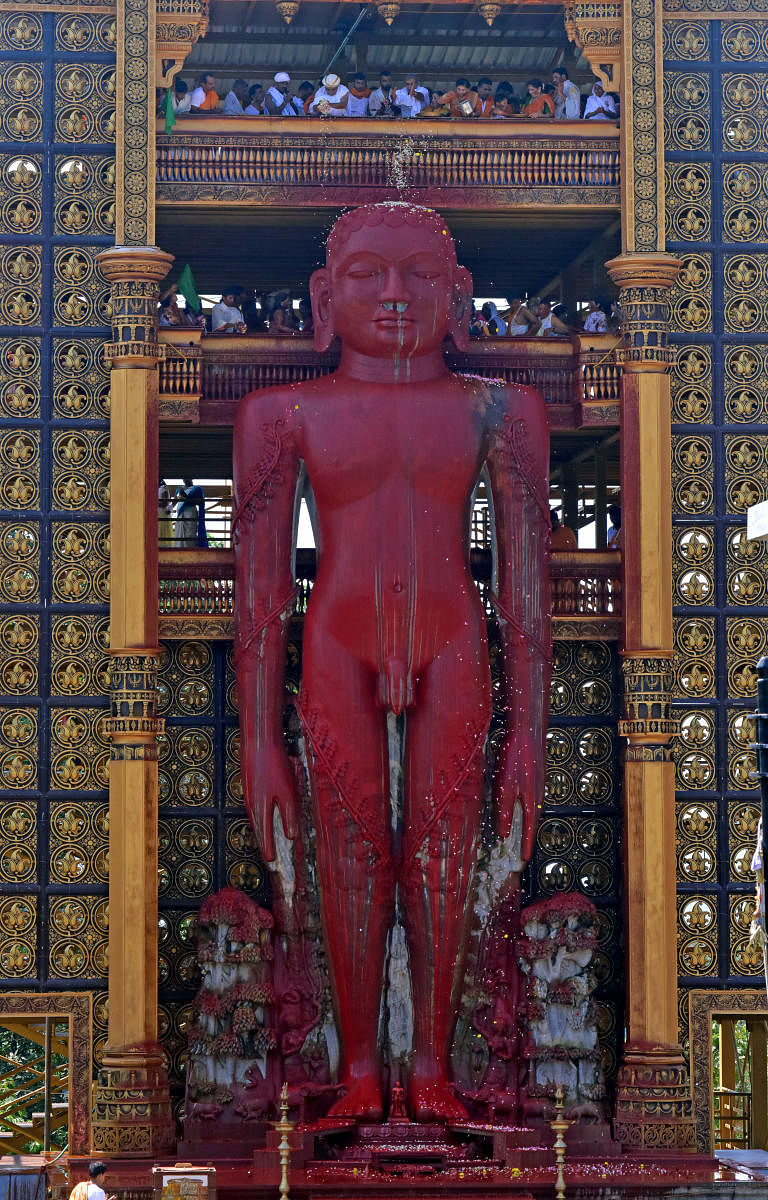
<point>398,1167</point>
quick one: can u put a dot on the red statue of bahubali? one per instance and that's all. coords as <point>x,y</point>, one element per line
<point>393,445</point>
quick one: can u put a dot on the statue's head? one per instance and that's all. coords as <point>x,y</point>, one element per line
<point>391,285</point>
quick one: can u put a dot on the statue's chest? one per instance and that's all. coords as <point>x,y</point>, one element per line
<point>433,452</point>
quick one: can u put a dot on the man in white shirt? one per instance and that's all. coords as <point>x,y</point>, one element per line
<point>204,98</point>
<point>94,1188</point>
<point>411,98</point>
<point>225,318</point>
<point>331,99</point>
<point>567,96</point>
<point>357,104</point>
<point>180,98</point>
<point>278,101</point>
<point>234,101</point>
<point>382,96</point>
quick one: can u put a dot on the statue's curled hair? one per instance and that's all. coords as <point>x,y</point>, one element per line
<point>391,213</point>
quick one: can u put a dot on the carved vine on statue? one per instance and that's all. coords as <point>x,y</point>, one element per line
<point>402,812</point>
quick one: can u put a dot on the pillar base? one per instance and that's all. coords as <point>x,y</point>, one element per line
<point>654,1107</point>
<point>132,1104</point>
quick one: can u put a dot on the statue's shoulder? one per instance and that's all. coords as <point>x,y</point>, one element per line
<point>518,411</point>
<point>267,407</point>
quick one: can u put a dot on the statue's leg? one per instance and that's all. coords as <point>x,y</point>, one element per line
<point>348,767</point>
<point>445,739</point>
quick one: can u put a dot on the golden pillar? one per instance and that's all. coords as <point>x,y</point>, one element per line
<point>653,1101</point>
<point>132,1108</point>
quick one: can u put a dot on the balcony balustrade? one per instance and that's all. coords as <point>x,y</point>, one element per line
<point>449,164</point>
<point>202,379</point>
<point>197,592</point>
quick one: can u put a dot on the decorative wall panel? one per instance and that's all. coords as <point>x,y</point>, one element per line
<point>57,197</point>
<point>716,149</point>
<point>578,844</point>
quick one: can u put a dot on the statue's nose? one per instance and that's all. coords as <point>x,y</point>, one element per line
<point>393,288</point>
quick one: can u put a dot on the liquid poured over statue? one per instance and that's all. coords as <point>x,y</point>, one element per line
<point>393,445</point>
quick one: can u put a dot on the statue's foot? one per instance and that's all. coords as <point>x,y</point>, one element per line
<point>362,1100</point>
<point>433,1100</point>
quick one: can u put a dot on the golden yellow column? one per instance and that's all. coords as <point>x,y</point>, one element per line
<point>653,1101</point>
<point>132,1108</point>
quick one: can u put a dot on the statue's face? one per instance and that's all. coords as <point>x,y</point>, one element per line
<point>391,290</point>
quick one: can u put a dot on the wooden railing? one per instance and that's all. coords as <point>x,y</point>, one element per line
<point>203,379</point>
<point>454,164</point>
<point>197,591</point>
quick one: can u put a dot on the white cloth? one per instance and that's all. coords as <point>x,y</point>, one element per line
<point>183,105</point>
<point>340,96</point>
<point>595,102</point>
<point>357,106</point>
<point>251,111</point>
<point>613,541</point>
<point>377,99</point>
<point>596,322</point>
<point>222,314</point>
<point>95,1192</point>
<point>568,106</point>
<point>232,106</point>
<point>515,330</point>
<point>417,101</point>
<point>277,99</point>
<point>298,105</point>
<point>197,98</point>
<point>546,325</point>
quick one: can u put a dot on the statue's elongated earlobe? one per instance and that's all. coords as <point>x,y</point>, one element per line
<point>461,309</point>
<point>322,309</point>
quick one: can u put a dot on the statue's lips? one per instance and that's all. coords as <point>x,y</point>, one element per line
<point>393,320</point>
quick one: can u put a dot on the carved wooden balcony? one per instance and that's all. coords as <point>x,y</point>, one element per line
<point>202,379</point>
<point>448,164</point>
<point>197,592</point>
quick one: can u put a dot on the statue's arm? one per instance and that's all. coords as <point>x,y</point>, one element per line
<point>265,472</point>
<point>518,465</point>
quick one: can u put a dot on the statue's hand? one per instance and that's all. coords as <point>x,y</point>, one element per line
<point>519,779</point>
<point>268,783</point>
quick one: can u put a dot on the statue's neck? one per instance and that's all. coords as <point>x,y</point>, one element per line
<point>417,369</point>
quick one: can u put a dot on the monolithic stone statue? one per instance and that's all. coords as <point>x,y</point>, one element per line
<point>393,445</point>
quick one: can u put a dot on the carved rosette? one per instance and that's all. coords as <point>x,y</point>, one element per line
<point>135,273</point>
<point>595,26</point>
<point>647,722</point>
<point>654,1108</point>
<point>132,1104</point>
<point>644,281</point>
<point>133,724</point>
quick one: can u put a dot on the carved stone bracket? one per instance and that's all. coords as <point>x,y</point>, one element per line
<point>644,281</point>
<point>180,23</point>
<point>595,26</point>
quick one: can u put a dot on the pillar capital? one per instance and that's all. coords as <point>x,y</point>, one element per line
<point>643,270</point>
<point>135,273</point>
<point>644,280</point>
<point>121,264</point>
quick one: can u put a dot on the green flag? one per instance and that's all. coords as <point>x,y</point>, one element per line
<point>186,286</point>
<point>170,115</point>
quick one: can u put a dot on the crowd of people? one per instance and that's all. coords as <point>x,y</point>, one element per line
<point>560,100</point>
<point>542,318</point>
<point>243,310</point>
<point>240,310</point>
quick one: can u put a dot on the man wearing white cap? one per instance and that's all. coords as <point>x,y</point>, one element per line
<point>278,101</point>
<point>331,99</point>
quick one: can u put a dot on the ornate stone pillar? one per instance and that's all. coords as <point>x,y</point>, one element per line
<point>653,1102</point>
<point>132,1108</point>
